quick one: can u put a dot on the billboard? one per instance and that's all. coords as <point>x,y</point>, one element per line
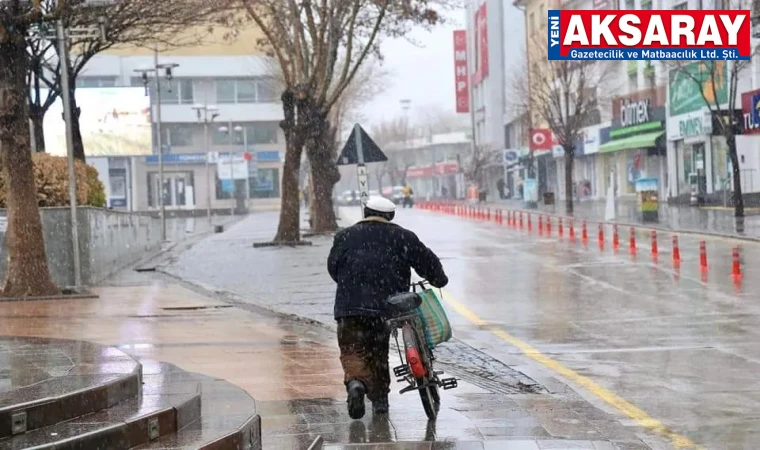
<point>461,81</point>
<point>113,121</point>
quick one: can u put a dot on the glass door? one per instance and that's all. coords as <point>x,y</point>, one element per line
<point>174,190</point>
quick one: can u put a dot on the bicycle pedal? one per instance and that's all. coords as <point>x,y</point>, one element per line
<point>448,383</point>
<point>401,371</point>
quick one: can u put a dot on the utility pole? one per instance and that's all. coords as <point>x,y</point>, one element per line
<point>167,67</point>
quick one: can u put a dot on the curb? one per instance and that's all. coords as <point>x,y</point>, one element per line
<point>692,232</point>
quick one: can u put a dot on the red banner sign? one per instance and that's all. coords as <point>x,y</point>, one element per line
<point>444,168</point>
<point>481,45</point>
<point>461,82</point>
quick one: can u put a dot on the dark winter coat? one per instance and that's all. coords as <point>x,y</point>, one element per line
<point>372,260</point>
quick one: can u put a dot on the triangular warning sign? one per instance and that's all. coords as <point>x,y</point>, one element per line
<point>370,150</point>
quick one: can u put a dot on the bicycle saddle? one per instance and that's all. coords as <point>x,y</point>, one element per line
<point>405,302</point>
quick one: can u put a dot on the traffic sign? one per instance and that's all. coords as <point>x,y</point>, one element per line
<point>360,149</point>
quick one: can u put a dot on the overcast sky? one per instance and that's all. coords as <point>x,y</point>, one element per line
<point>422,73</point>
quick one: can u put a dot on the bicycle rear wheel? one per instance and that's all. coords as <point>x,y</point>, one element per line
<point>422,372</point>
<point>431,401</point>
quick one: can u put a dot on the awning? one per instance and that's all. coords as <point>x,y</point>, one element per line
<point>639,141</point>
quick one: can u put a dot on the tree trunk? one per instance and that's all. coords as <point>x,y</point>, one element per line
<point>289,229</point>
<point>37,116</point>
<point>76,131</point>
<point>569,162</point>
<point>324,172</point>
<point>26,271</point>
<point>738,198</point>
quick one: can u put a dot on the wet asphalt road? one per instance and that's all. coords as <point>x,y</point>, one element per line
<point>668,352</point>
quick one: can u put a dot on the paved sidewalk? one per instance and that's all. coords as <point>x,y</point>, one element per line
<point>720,221</point>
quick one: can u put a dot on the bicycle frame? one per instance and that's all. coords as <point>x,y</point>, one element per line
<point>410,323</point>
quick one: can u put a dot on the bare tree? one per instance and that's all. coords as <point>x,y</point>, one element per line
<point>128,23</point>
<point>320,46</point>
<point>718,85</point>
<point>565,95</point>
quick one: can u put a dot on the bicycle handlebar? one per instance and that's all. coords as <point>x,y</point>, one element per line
<point>422,284</point>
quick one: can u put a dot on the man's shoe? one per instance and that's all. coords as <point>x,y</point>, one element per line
<point>380,406</point>
<point>356,392</point>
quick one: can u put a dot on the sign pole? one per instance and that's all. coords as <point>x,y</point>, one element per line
<point>361,169</point>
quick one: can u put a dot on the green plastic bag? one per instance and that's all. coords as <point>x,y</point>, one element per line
<point>433,317</point>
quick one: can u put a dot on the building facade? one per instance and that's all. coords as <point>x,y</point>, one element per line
<point>233,158</point>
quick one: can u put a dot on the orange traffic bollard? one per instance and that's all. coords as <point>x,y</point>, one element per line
<point>654,243</point>
<point>548,225</point>
<point>488,215</point>
<point>530,224</point>
<point>676,250</point>
<point>560,230</point>
<point>540,224</point>
<point>601,233</point>
<point>615,236</point>
<point>632,240</point>
<point>571,232</point>
<point>521,220</point>
<point>702,255</point>
<point>736,269</point>
<point>584,231</point>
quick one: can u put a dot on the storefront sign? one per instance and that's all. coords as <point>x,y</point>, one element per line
<point>694,83</point>
<point>690,127</point>
<point>590,141</point>
<point>634,113</point>
<point>751,111</point>
<point>638,108</point>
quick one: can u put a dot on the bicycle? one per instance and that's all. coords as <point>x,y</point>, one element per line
<point>416,367</point>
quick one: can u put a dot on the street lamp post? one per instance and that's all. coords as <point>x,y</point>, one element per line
<point>206,114</point>
<point>167,67</point>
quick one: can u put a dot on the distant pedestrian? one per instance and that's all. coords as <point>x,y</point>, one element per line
<point>501,186</point>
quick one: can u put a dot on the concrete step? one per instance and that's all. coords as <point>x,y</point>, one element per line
<point>65,395</point>
<point>129,424</point>
<point>46,382</point>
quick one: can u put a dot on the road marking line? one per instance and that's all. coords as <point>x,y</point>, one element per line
<point>609,397</point>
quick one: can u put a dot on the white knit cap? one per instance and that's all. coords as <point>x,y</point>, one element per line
<point>381,204</point>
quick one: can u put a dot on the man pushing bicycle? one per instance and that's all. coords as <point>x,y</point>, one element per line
<point>372,261</point>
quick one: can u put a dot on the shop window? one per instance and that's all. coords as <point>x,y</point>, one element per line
<point>246,90</point>
<point>264,183</point>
